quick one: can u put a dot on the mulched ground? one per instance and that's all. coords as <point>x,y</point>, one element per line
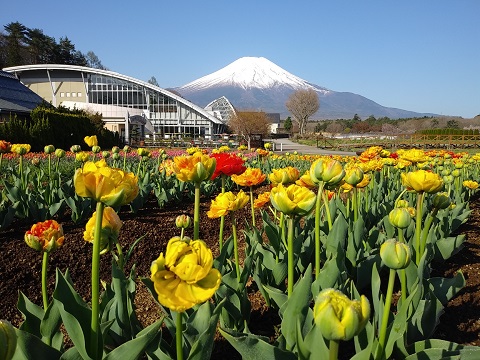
<point>20,269</point>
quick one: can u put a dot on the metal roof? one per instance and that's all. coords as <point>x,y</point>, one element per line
<point>16,97</point>
<point>22,68</point>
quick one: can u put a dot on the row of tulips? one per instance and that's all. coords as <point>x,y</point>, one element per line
<point>332,231</point>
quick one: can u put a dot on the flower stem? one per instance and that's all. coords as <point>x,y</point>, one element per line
<point>426,229</point>
<point>327,210</point>
<point>94,334</point>
<point>333,353</point>
<point>235,245</point>
<point>386,312</point>
<point>291,266</point>
<point>418,227</point>
<point>222,219</point>
<point>44,280</point>
<point>179,339</point>
<point>402,275</point>
<point>317,229</point>
<point>252,206</point>
<point>355,204</point>
<point>196,213</point>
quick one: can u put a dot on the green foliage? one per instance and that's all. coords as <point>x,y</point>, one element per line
<point>60,127</point>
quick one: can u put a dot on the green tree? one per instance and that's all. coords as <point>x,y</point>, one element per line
<point>93,61</point>
<point>153,81</point>
<point>15,39</point>
<point>453,124</point>
<point>288,125</point>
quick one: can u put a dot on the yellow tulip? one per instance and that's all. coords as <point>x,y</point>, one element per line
<point>20,149</point>
<point>197,167</point>
<point>111,225</point>
<point>91,140</point>
<point>353,175</point>
<point>470,184</point>
<point>414,155</point>
<point>329,171</point>
<point>113,187</point>
<point>293,199</point>
<point>227,202</point>
<point>45,236</point>
<point>184,277</point>
<point>82,156</point>
<point>422,181</point>
<point>338,317</point>
<point>284,176</point>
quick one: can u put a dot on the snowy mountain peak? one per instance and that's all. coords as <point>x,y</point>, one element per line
<point>249,73</point>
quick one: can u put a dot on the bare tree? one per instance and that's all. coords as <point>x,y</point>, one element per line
<point>302,104</point>
<point>250,123</point>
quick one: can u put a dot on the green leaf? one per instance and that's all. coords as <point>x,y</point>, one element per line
<point>202,347</point>
<point>31,347</point>
<point>132,349</point>
<point>253,347</point>
<point>446,288</point>
<point>296,308</point>
<point>32,313</point>
<point>313,346</point>
<point>76,316</point>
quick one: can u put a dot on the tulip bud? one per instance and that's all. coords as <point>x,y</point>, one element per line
<point>353,175</point>
<point>448,179</point>
<point>127,149</point>
<point>183,221</point>
<point>8,340</point>
<point>49,149</point>
<point>401,203</point>
<point>338,317</point>
<point>59,153</point>
<point>395,255</point>
<point>456,173</point>
<point>115,149</point>
<point>81,156</point>
<point>116,156</point>
<point>143,152</point>
<point>458,165</point>
<point>400,218</point>
<point>445,172</point>
<point>327,170</point>
<point>96,149</point>
<point>35,161</point>
<point>75,148</point>
<point>105,154</point>
<point>441,200</point>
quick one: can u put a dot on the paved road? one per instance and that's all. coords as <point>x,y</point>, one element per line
<point>286,145</point>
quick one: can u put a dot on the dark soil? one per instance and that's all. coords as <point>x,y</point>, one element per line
<point>20,269</point>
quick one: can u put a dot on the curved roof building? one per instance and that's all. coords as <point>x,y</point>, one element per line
<point>130,106</point>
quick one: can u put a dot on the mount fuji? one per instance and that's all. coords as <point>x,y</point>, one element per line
<point>256,83</point>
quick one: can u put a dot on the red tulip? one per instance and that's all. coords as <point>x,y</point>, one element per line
<point>228,164</point>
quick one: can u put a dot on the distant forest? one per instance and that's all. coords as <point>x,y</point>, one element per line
<point>20,45</point>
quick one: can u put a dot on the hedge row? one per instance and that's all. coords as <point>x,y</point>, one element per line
<point>60,127</point>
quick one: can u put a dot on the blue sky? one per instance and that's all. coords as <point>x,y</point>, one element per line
<point>418,55</point>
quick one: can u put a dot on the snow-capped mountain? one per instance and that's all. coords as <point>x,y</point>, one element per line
<point>251,73</point>
<point>256,83</point>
